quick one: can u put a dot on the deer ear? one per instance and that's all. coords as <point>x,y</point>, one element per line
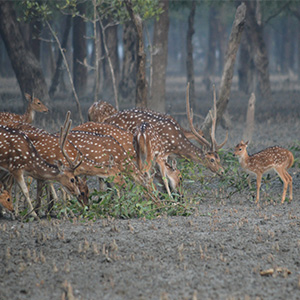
<point>60,165</point>
<point>28,97</point>
<point>174,164</point>
<point>247,143</point>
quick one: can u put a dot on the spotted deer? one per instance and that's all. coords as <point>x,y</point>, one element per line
<point>103,156</point>
<point>34,105</point>
<point>272,158</point>
<point>100,110</point>
<point>127,140</point>
<point>19,157</point>
<point>172,138</point>
<point>49,147</point>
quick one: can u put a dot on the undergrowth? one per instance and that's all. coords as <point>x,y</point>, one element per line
<point>199,185</point>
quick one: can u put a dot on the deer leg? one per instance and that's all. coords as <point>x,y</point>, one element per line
<point>163,173</point>
<point>258,184</point>
<point>21,182</point>
<point>39,191</point>
<point>285,179</point>
<point>291,185</point>
<point>52,197</point>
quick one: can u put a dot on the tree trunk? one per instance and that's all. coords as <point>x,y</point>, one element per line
<point>35,42</point>
<point>58,70</point>
<point>261,56</point>
<point>27,69</point>
<point>79,51</point>
<point>128,80</point>
<point>246,68</point>
<point>189,58</point>
<point>210,65</point>
<point>226,80</point>
<point>111,35</point>
<point>160,59</point>
<point>141,84</point>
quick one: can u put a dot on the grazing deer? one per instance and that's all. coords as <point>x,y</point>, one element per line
<point>276,158</point>
<point>172,138</point>
<point>100,110</point>
<point>34,105</point>
<point>19,157</point>
<point>49,147</point>
<point>127,140</point>
<point>103,156</point>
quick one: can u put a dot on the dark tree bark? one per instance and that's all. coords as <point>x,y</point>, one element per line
<point>226,80</point>
<point>210,65</point>
<point>35,42</point>
<point>246,68</point>
<point>160,59</point>
<point>128,80</point>
<point>141,84</point>
<point>111,36</point>
<point>58,70</point>
<point>26,67</point>
<point>189,58</point>
<point>261,60</point>
<point>79,51</point>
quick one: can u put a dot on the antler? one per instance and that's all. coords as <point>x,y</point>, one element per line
<point>64,131</point>
<point>213,145</point>
<point>213,115</point>
<point>189,112</point>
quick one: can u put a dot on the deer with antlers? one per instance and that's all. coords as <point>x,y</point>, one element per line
<point>276,158</point>
<point>19,157</point>
<point>172,138</point>
<point>34,105</point>
<point>50,148</point>
<point>127,140</point>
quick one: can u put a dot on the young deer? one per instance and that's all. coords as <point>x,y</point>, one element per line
<point>6,201</point>
<point>34,105</point>
<point>276,158</point>
<point>19,157</point>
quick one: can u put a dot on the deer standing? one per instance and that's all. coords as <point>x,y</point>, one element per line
<point>50,148</point>
<point>34,105</point>
<point>127,140</point>
<point>276,158</point>
<point>19,157</point>
<point>172,138</point>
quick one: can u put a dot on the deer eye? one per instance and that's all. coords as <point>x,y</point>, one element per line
<point>72,180</point>
<point>8,199</point>
<point>212,160</point>
<point>82,193</point>
<point>240,149</point>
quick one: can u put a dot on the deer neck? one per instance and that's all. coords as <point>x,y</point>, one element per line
<point>244,159</point>
<point>29,114</point>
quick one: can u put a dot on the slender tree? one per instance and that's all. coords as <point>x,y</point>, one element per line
<point>160,58</point>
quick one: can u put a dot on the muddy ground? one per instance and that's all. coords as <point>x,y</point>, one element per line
<point>218,252</point>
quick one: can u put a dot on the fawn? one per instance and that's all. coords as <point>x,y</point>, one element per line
<point>276,158</point>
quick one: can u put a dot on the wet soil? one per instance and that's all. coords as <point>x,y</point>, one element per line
<point>219,252</point>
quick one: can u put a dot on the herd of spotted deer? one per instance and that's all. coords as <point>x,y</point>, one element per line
<point>114,143</point>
